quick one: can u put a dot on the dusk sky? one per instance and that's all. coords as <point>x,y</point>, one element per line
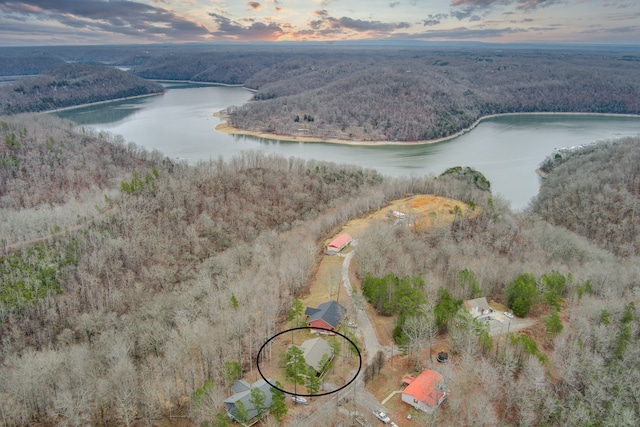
<point>55,22</point>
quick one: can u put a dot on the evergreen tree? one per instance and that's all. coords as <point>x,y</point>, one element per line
<point>296,365</point>
<point>312,382</point>
<point>446,308</point>
<point>232,371</point>
<point>278,407</point>
<point>258,400</point>
<point>242,414</point>
<point>522,294</point>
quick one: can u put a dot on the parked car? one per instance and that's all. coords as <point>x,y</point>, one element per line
<point>299,399</point>
<point>352,325</point>
<point>382,416</point>
<point>508,314</point>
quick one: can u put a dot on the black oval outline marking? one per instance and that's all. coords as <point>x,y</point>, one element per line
<point>309,395</point>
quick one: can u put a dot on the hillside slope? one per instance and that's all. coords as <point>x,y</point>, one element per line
<point>595,192</point>
<point>403,94</point>
<point>131,308</point>
<point>72,84</point>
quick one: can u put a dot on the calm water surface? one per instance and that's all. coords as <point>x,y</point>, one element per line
<point>507,150</point>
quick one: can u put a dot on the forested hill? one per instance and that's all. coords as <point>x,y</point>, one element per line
<point>72,84</point>
<point>405,94</point>
<point>367,93</point>
<point>129,283</point>
<point>21,65</point>
<point>595,192</point>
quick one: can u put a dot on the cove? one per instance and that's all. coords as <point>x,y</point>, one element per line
<point>506,149</point>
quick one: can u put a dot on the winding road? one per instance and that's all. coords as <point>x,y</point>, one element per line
<point>356,394</point>
<point>371,343</point>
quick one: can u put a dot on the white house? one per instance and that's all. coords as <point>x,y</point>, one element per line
<point>426,392</point>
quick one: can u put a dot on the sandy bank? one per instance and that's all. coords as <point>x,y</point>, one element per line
<point>226,128</point>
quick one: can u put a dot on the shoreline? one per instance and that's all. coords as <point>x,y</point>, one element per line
<point>224,127</point>
<point>99,102</point>
<point>202,83</point>
<point>89,104</point>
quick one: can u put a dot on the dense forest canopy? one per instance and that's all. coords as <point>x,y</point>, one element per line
<point>72,84</point>
<point>407,92</point>
<point>410,95</point>
<point>130,281</point>
<point>595,191</point>
<point>24,66</point>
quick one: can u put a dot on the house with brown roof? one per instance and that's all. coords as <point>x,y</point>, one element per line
<point>328,315</point>
<point>314,350</point>
<point>426,392</point>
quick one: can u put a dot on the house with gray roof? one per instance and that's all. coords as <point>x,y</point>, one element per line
<point>328,315</point>
<point>240,385</point>
<point>479,309</point>
<point>244,395</point>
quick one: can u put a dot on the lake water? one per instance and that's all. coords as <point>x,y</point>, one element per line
<point>507,149</point>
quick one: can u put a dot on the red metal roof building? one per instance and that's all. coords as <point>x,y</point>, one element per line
<point>338,244</point>
<point>426,392</point>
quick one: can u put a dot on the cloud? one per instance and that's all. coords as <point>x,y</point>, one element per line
<point>228,29</point>
<point>119,17</point>
<point>432,20</point>
<point>254,5</point>
<point>617,4</point>
<point>477,3</point>
<point>469,8</point>
<point>394,4</point>
<point>464,13</point>
<point>626,34</point>
<point>464,33</point>
<point>322,12</point>
<point>624,30</point>
<point>534,4</point>
<point>334,25</point>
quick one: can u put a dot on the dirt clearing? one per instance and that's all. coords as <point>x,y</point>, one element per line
<point>419,211</point>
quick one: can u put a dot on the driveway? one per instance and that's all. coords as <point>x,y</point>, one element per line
<point>371,342</point>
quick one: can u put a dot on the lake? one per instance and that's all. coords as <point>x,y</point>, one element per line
<point>506,149</point>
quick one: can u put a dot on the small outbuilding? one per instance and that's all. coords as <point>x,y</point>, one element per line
<point>425,392</point>
<point>338,244</point>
